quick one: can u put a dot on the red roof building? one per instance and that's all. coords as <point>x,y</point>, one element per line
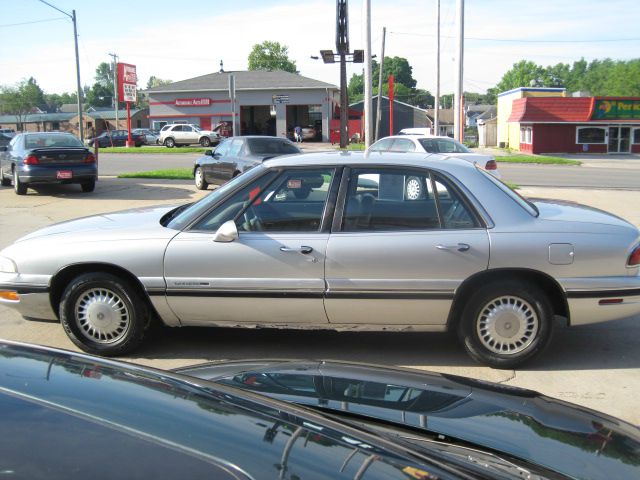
<point>577,124</point>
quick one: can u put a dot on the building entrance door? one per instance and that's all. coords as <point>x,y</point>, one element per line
<point>619,140</point>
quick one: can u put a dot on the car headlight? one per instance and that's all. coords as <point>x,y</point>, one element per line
<point>7,265</point>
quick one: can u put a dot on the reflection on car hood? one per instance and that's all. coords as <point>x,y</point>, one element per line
<point>566,211</point>
<point>566,438</point>
<point>137,218</point>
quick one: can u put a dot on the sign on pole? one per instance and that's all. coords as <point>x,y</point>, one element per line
<point>127,91</point>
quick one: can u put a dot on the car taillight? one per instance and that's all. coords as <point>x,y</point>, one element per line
<point>31,160</point>
<point>634,258</point>
<point>491,165</point>
<point>91,158</point>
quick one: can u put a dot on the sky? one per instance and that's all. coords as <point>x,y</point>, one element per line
<point>180,40</point>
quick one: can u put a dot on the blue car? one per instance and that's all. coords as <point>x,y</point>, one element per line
<point>47,157</point>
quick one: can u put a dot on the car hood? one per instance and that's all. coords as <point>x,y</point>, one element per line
<point>566,211</point>
<point>121,223</point>
<point>566,438</point>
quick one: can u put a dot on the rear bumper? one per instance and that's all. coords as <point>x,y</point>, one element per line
<point>611,298</point>
<point>49,174</point>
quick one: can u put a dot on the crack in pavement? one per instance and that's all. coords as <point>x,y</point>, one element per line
<point>512,377</point>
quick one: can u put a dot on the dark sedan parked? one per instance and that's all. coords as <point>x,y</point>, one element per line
<point>72,416</point>
<point>47,157</point>
<point>236,155</point>
<point>118,138</point>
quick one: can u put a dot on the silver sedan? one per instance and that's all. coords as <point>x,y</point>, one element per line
<point>388,242</point>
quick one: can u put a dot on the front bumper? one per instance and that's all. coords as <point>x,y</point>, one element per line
<point>33,295</point>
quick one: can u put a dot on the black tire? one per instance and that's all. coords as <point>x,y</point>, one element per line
<point>489,339</point>
<point>5,182</point>
<point>201,183</point>
<point>169,142</point>
<point>81,300</point>
<point>19,187</point>
<point>205,142</point>
<point>89,186</point>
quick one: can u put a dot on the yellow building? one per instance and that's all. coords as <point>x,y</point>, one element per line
<point>509,133</point>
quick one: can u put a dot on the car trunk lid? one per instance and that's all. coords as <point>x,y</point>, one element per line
<point>62,156</point>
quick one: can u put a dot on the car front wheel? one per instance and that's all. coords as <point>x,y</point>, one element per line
<point>205,142</point>
<point>506,324</point>
<point>103,315</point>
<point>6,182</point>
<point>169,143</point>
<point>201,183</point>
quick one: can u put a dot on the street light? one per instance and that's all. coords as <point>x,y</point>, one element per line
<point>75,39</point>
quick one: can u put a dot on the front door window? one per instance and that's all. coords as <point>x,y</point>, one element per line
<point>619,139</point>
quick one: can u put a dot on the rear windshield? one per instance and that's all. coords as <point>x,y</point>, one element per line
<point>47,140</point>
<point>443,145</point>
<point>273,146</point>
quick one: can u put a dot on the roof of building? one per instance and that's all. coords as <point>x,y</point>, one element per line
<point>488,114</point>
<point>111,114</point>
<point>551,109</point>
<point>37,118</point>
<point>445,115</point>
<point>481,108</point>
<point>245,80</point>
<point>68,108</point>
<point>533,89</point>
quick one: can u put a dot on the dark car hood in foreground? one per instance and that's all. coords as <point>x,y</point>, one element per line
<point>566,438</point>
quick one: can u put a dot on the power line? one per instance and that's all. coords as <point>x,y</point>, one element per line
<point>516,40</point>
<point>33,21</point>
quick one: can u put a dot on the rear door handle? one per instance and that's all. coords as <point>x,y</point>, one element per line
<point>302,249</point>
<point>461,247</point>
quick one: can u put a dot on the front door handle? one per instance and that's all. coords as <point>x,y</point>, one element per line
<point>461,247</point>
<point>303,249</point>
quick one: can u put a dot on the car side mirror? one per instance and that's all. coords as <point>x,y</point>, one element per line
<point>228,232</point>
<point>209,153</point>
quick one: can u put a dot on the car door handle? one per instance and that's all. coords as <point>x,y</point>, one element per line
<point>461,247</point>
<point>303,249</point>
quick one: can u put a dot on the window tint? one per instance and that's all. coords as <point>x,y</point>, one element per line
<point>187,128</point>
<point>636,135</point>
<point>403,145</point>
<point>385,199</point>
<point>177,128</point>
<point>294,202</point>
<point>274,146</point>
<point>223,148</point>
<point>591,135</point>
<point>44,140</point>
<point>443,145</point>
<point>382,145</point>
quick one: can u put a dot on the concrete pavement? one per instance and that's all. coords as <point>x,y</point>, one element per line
<point>597,366</point>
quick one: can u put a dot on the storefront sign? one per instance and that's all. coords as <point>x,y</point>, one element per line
<point>280,99</point>
<point>193,102</point>
<point>127,81</point>
<point>616,110</point>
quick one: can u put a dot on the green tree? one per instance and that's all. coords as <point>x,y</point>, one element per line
<point>101,92</point>
<point>55,100</point>
<point>157,82</point>
<point>20,99</point>
<point>270,56</point>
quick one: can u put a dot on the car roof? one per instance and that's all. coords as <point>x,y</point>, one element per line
<point>400,159</point>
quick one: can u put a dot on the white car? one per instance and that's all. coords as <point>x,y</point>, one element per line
<point>431,144</point>
<point>187,134</point>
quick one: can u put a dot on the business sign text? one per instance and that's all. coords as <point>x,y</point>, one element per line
<point>127,81</point>
<point>193,102</point>
<point>616,110</point>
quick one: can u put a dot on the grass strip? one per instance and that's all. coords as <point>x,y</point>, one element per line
<point>542,159</point>
<point>166,174</point>
<point>154,150</point>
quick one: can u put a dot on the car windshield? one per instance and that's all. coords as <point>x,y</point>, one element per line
<point>49,140</point>
<point>271,146</point>
<point>443,145</point>
<point>197,129</point>
<point>195,210</point>
<point>519,199</point>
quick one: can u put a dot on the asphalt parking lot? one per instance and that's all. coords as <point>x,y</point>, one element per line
<point>596,366</point>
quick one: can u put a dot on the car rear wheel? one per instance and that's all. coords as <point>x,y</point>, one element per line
<point>89,186</point>
<point>18,186</point>
<point>205,142</point>
<point>201,183</point>
<point>5,182</point>
<point>506,324</point>
<point>103,315</point>
<point>169,143</point>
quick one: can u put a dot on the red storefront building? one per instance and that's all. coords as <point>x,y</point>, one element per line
<point>577,124</point>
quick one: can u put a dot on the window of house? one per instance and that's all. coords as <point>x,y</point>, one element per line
<point>636,135</point>
<point>590,135</point>
<point>526,134</point>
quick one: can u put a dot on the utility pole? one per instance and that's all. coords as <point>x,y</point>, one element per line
<point>115,84</point>
<point>342,47</point>
<point>75,40</point>
<point>379,109</point>
<point>457,99</point>
<point>367,74</point>
<point>436,107</point>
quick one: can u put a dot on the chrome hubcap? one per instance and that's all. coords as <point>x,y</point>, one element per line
<point>102,315</point>
<point>507,325</point>
<point>413,189</point>
<point>199,177</point>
